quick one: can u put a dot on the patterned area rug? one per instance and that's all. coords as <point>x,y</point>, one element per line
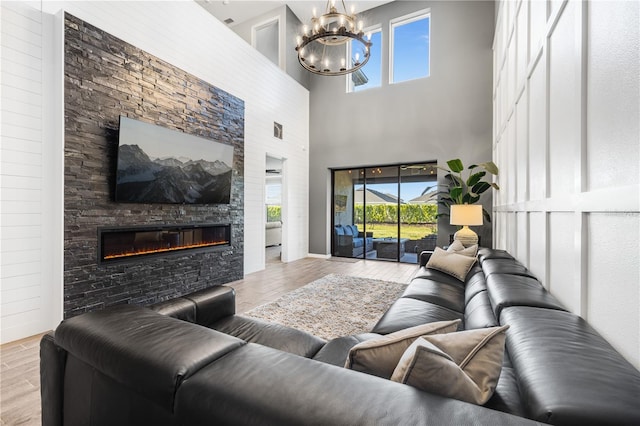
<point>333,306</point>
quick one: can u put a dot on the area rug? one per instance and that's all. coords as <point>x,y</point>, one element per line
<point>332,306</point>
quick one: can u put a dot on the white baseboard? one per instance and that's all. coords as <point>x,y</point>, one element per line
<point>319,256</point>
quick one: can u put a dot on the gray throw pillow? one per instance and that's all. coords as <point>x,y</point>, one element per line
<point>465,365</point>
<point>454,264</point>
<point>380,356</point>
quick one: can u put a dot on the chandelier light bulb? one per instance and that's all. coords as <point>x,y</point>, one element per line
<point>314,12</point>
<point>360,25</point>
<point>357,57</point>
<point>369,36</point>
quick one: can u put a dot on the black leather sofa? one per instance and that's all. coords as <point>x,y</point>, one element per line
<point>192,361</point>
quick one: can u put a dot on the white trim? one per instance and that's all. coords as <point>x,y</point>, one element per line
<point>403,20</point>
<point>319,256</point>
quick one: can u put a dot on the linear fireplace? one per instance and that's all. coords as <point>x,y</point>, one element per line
<point>133,243</point>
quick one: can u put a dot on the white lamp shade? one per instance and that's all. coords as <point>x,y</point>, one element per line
<point>466,214</point>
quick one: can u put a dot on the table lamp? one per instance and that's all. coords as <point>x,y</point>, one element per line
<point>466,215</point>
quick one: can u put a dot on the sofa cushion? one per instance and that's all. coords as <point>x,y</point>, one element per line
<point>448,295</point>
<point>474,285</point>
<point>181,308</point>
<point>505,266</point>
<point>465,365</point>
<point>339,230</point>
<point>276,336</point>
<point>335,352</point>
<point>358,242</point>
<point>478,312</point>
<point>489,253</point>
<point>348,230</point>
<point>143,350</point>
<point>456,265</point>
<point>407,312</point>
<point>380,356</point>
<point>354,230</point>
<point>513,290</point>
<point>506,397</point>
<point>213,303</point>
<point>567,373</point>
<point>257,385</point>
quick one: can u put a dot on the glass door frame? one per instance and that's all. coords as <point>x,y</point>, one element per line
<point>362,170</point>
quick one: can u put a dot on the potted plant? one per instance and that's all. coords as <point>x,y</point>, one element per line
<point>465,186</point>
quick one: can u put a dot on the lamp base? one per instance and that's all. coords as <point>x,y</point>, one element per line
<point>466,236</point>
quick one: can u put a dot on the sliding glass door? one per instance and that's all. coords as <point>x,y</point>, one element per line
<point>384,212</point>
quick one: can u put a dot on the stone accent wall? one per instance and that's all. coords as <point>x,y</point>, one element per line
<point>105,78</point>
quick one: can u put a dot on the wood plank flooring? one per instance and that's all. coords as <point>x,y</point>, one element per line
<point>20,360</point>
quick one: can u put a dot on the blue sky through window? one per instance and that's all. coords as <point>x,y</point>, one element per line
<point>373,68</point>
<point>411,50</point>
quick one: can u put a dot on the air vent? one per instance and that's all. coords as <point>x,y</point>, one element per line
<point>229,21</point>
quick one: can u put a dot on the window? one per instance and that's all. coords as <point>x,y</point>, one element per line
<point>410,40</point>
<point>369,75</point>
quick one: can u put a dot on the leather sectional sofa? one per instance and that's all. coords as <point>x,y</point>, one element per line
<point>193,361</point>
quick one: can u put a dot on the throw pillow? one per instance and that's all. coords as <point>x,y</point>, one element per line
<point>454,264</point>
<point>458,247</point>
<point>380,356</point>
<point>465,365</point>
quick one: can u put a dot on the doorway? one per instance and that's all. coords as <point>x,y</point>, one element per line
<point>273,210</point>
<point>385,212</point>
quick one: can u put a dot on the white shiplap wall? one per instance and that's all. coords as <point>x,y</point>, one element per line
<point>26,307</point>
<point>567,138</point>
<point>179,32</point>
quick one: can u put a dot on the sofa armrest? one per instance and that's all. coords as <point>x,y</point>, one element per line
<point>424,257</point>
<point>344,240</point>
<point>52,363</point>
<point>213,304</point>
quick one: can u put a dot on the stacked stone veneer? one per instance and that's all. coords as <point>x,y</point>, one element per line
<point>105,78</point>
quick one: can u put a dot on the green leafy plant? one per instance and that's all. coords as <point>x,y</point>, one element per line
<point>465,186</point>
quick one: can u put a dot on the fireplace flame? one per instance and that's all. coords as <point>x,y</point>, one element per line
<point>162,250</point>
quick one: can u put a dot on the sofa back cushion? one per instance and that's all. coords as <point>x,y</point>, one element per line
<point>517,290</point>
<point>339,230</point>
<point>567,373</point>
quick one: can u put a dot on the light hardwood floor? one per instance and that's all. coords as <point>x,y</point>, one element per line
<point>20,361</point>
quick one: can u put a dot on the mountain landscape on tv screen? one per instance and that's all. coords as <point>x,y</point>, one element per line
<point>170,180</point>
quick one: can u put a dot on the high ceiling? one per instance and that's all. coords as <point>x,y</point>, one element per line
<point>242,10</point>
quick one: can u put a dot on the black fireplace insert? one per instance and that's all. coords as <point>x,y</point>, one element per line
<point>133,243</point>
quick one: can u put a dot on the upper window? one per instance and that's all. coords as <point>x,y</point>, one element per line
<point>370,74</point>
<point>410,39</point>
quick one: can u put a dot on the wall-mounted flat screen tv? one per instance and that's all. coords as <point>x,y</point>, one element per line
<point>160,165</point>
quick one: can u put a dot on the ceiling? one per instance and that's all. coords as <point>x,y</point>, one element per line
<point>243,10</point>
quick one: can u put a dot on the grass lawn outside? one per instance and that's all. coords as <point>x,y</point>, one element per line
<point>390,230</point>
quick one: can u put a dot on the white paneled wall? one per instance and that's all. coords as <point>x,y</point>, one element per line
<point>567,137</point>
<point>179,32</point>
<point>26,307</point>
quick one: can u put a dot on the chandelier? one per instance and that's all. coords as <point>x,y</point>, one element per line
<point>324,48</point>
